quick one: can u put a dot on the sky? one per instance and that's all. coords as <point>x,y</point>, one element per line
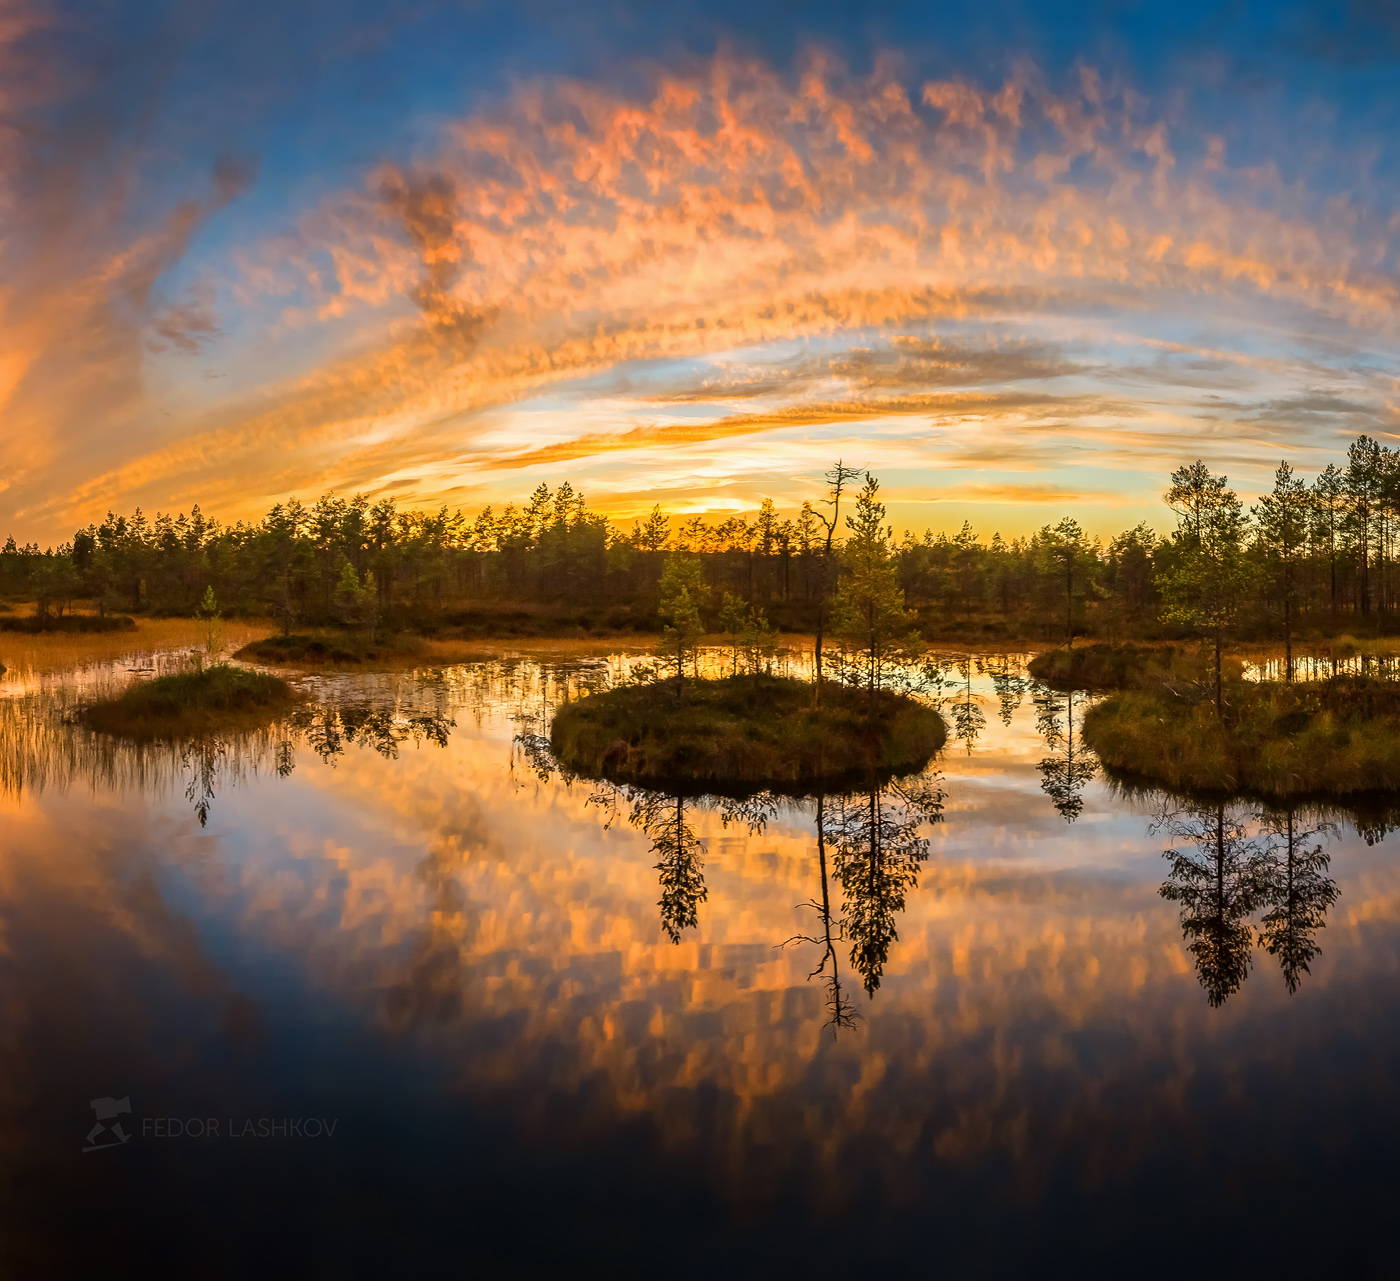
<point>1019,260</point>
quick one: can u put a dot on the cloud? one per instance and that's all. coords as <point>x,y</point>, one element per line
<point>81,255</point>
<point>1014,495</point>
<point>187,326</point>
<point>572,231</point>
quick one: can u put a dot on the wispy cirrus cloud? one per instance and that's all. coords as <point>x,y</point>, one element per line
<point>825,248</point>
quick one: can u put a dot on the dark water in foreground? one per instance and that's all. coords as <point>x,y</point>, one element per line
<point>406,999</point>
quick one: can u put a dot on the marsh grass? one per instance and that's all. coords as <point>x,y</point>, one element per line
<point>1334,738</point>
<point>408,652</point>
<point>59,651</point>
<point>744,732</point>
<point>193,703</point>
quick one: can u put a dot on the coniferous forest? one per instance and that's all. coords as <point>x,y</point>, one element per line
<point>1313,556</point>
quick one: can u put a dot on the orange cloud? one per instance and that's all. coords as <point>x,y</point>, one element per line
<point>573,230</point>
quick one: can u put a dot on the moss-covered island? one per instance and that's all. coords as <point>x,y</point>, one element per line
<point>333,649</point>
<point>1326,739</point>
<point>744,733</point>
<point>194,703</point>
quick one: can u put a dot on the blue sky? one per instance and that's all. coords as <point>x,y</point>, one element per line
<point>1018,258</point>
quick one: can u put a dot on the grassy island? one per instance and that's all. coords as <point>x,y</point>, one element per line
<point>1333,738</point>
<point>189,704</point>
<point>331,649</point>
<point>744,733</point>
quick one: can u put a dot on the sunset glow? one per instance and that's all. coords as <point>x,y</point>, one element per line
<point>1015,287</point>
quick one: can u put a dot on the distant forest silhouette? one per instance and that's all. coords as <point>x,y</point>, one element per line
<point>1317,556</point>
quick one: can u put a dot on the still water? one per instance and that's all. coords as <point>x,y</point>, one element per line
<point>381,990</point>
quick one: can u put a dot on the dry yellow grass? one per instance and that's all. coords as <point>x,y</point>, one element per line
<point>444,653</point>
<point>58,651</point>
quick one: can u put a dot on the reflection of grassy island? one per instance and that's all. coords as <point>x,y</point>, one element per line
<point>744,731</point>
<point>1108,667</point>
<point>1337,737</point>
<point>189,704</point>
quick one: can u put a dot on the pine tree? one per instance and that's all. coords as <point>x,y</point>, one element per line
<point>1282,522</point>
<point>207,611</point>
<point>1070,562</point>
<point>868,613</point>
<point>1328,507</point>
<point>356,601</point>
<point>1208,574</point>
<point>838,478</point>
<point>682,591</point>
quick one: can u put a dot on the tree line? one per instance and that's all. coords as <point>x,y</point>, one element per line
<point>1316,555</point>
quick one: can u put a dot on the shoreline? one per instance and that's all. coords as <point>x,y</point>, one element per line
<point>50,653</point>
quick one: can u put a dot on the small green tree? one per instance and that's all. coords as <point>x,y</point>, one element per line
<point>733,618</point>
<point>758,642</point>
<point>837,479</point>
<point>207,611</point>
<point>751,639</point>
<point>356,601</point>
<point>868,613</point>
<point>1207,575</point>
<point>1361,483</point>
<point>1282,518</point>
<point>682,591</point>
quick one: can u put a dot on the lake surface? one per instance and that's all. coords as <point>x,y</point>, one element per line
<point>382,991</point>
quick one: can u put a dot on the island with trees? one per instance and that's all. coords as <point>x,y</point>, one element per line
<point>751,729</point>
<point>1193,722</point>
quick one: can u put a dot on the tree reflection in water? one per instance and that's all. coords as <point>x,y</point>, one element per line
<point>1229,875</point>
<point>877,851</point>
<point>1219,884</point>
<point>202,759</point>
<point>875,847</point>
<point>327,728</point>
<point>330,727</point>
<point>1064,775</point>
<point>1008,684</point>
<point>869,843</point>
<point>678,850</point>
<point>968,718</point>
<point>840,1010</point>
<point>1297,892</point>
<point>662,817</point>
<point>50,750</point>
